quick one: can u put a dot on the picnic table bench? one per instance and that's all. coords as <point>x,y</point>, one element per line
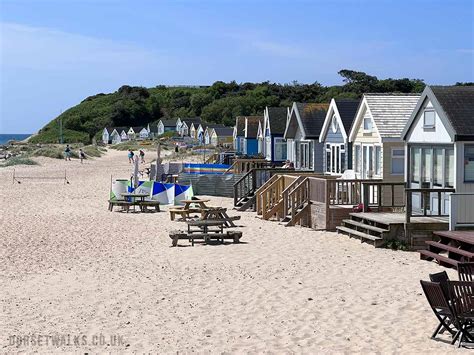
<point>183,212</point>
<point>202,230</point>
<point>219,214</point>
<point>121,203</point>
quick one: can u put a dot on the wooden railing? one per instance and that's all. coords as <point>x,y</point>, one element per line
<point>260,190</point>
<point>285,196</point>
<point>346,192</point>
<point>271,195</point>
<point>424,194</point>
<point>213,158</point>
<point>380,195</point>
<point>299,200</point>
<point>249,183</point>
<point>240,166</point>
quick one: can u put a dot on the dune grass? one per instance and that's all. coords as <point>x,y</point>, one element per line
<point>19,161</point>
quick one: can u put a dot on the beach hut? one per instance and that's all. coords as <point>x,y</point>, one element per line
<point>165,126</point>
<point>337,150</point>
<point>222,136</point>
<point>439,138</point>
<point>106,135</point>
<point>179,124</point>
<point>189,126</point>
<point>208,132</point>
<point>238,134</point>
<point>378,150</point>
<point>274,124</point>
<point>115,137</point>
<point>302,134</point>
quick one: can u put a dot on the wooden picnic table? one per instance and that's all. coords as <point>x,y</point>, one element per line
<point>220,214</point>
<point>201,202</point>
<point>134,195</point>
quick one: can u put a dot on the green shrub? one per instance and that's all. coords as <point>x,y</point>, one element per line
<point>51,136</point>
<point>93,151</point>
<point>19,161</point>
<point>395,244</point>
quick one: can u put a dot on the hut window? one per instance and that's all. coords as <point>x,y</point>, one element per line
<point>398,161</point>
<point>357,157</point>
<point>469,163</point>
<point>378,160</point>
<point>429,119</point>
<point>367,124</point>
<point>334,124</point>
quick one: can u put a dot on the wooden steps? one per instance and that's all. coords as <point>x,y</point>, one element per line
<point>363,225</point>
<point>364,237</point>
<point>442,260</point>
<point>449,249</point>
<point>452,247</point>
<point>366,230</point>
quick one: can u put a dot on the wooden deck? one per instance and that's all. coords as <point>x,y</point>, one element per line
<point>397,218</point>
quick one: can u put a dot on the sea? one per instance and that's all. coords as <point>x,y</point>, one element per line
<point>4,138</point>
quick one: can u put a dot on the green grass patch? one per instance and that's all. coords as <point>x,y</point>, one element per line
<point>19,161</point>
<point>49,135</point>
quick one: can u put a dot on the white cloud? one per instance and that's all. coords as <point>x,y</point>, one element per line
<point>48,49</point>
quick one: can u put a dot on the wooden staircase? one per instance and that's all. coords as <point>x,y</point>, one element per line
<point>366,230</point>
<point>299,204</point>
<point>450,248</point>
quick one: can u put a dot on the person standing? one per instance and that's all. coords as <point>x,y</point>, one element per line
<point>130,156</point>
<point>67,153</point>
<point>142,156</point>
<point>82,156</point>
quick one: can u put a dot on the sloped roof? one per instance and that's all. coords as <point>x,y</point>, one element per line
<point>109,129</point>
<point>224,131</point>
<point>347,110</point>
<point>457,102</point>
<point>391,112</point>
<point>277,117</point>
<point>312,117</point>
<point>240,125</point>
<point>192,120</point>
<point>168,123</point>
<point>137,129</point>
<point>252,126</point>
<point>120,129</point>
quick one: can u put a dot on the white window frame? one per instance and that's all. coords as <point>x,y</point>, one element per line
<point>331,148</point>
<point>469,181</point>
<point>367,130</point>
<point>400,157</point>
<point>429,125</point>
<point>358,158</point>
<point>334,124</point>
<point>279,141</point>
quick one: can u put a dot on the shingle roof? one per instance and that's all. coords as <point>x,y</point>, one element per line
<point>252,125</point>
<point>120,129</point>
<point>458,104</point>
<point>347,110</point>
<point>391,112</point>
<point>277,116</point>
<point>137,129</point>
<point>224,131</point>
<point>312,118</point>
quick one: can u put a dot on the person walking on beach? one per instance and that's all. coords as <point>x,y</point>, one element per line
<point>130,156</point>
<point>82,156</point>
<point>67,153</point>
<point>142,156</point>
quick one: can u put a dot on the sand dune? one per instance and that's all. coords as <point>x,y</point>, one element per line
<point>68,266</point>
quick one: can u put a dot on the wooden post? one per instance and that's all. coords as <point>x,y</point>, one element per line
<point>365,196</point>
<point>135,171</point>
<point>452,213</point>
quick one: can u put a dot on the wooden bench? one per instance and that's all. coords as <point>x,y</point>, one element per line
<point>121,203</point>
<point>176,235</point>
<point>184,213</point>
<point>145,204</point>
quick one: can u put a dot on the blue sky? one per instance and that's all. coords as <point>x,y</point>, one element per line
<point>54,53</point>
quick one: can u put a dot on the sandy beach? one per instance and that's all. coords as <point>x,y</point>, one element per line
<point>70,267</point>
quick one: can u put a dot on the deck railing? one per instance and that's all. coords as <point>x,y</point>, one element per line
<point>425,210</point>
<point>271,195</point>
<point>346,191</point>
<point>251,181</point>
<point>380,195</point>
<point>298,200</point>
<point>240,166</point>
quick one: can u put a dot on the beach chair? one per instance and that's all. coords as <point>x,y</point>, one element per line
<point>461,294</point>
<point>442,278</point>
<point>466,271</point>
<point>440,306</point>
